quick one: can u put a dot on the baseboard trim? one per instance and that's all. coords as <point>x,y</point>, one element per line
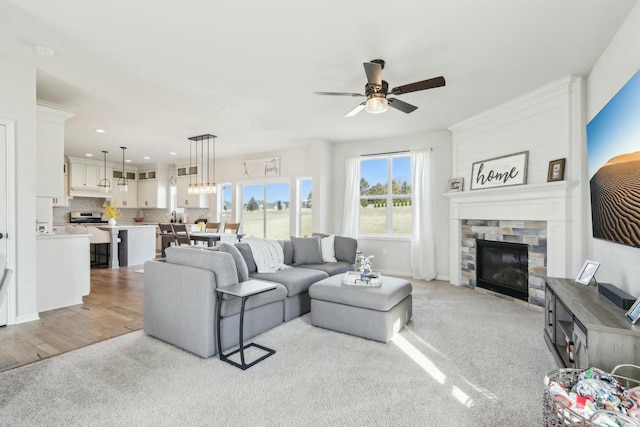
<point>27,318</point>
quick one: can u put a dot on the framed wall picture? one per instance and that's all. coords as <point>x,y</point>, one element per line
<point>456,184</point>
<point>587,272</point>
<point>500,171</point>
<point>556,170</point>
<point>634,312</point>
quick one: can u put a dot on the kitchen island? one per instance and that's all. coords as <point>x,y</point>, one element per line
<point>131,244</point>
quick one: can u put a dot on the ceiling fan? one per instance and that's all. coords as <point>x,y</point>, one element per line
<point>376,91</point>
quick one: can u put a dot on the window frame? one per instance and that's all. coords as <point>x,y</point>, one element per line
<point>299,199</point>
<point>264,184</point>
<point>220,202</point>
<point>389,197</point>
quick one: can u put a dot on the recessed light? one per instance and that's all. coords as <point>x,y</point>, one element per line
<point>89,155</point>
<point>100,130</point>
<point>44,52</point>
<point>172,153</point>
<point>146,157</point>
<point>128,161</point>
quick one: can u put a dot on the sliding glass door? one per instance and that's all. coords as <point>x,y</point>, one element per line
<point>266,210</point>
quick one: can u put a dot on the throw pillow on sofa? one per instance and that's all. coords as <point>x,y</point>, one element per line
<point>327,246</point>
<point>306,250</point>
<point>346,247</point>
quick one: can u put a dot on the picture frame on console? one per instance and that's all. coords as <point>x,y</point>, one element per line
<point>556,170</point>
<point>633,315</point>
<point>587,272</point>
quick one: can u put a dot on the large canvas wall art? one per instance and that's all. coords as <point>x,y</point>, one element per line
<point>613,144</point>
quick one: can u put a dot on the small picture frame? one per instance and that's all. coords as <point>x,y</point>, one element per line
<point>587,272</point>
<point>556,170</point>
<point>456,184</point>
<point>634,312</point>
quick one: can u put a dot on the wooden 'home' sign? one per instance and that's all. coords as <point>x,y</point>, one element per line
<point>500,172</point>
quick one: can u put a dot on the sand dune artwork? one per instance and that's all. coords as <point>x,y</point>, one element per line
<point>613,142</point>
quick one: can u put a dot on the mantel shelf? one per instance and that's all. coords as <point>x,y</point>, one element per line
<point>516,192</point>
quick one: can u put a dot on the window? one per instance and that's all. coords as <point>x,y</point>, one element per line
<point>385,195</point>
<point>265,210</point>
<point>224,205</point>
<point>304,207</point>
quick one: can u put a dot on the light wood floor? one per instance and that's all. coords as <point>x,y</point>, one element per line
<point>113,308</point>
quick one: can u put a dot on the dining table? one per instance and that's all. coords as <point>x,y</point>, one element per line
<point>212,238</point>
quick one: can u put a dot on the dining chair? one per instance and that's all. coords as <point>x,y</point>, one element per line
<point>168,238</point>
<point>213,227</point>
<point>231,227</point>
<point>181,234</point>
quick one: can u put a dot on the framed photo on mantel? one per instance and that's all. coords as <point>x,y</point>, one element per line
<point>500,171</point>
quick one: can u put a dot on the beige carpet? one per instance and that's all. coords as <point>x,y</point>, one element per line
<point>466,359</point>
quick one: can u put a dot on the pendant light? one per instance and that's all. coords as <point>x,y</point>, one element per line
<point>123,182</point>
<point>205,142</point>
<point>105,184</point>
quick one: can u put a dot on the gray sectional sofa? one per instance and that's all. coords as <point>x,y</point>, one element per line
<point>180,297</point>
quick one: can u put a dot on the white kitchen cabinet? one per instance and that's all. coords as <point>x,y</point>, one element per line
<point>153,187</point>
<point>64,199</point>
<point>85,176</point>
<point>186,200</point>
<point>124,199</point>
<point>50,122</point>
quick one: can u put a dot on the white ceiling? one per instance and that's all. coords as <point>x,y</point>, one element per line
<point>155,72</point>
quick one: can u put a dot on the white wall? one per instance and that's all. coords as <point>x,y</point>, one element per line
<point>398,258</point>
<point>618,263</point>
<point>18,103</point>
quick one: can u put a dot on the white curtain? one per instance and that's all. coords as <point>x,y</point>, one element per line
<point>423,251</point>
<point>351,209</point>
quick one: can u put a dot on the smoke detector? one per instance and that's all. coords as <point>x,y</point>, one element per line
<point>44,52</point>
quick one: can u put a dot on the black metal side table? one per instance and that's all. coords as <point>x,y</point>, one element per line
<point>241,290</point>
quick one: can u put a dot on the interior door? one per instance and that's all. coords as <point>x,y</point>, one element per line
<point>4,285</point>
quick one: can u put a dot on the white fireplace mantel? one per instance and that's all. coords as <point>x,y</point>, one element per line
<point>550,202</point>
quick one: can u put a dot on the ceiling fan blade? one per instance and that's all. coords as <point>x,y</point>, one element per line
<point>374,73</point>
<point>356,110</point>
<point>338,94</point>
<point>401,105</point>
<point>422,85</point>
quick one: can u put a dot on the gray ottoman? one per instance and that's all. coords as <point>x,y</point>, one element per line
<point>373,313</point>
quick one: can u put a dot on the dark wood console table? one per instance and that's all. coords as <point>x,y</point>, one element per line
<point>583,328</point>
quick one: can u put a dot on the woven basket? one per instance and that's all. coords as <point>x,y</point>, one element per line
<point>555,413</point>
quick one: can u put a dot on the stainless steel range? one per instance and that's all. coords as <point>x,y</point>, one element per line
<point>86,218</point>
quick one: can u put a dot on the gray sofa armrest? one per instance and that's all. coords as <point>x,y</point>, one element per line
<point>180,306</point>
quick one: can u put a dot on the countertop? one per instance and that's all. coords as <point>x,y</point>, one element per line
<point>60,235</point>
<point>124,226</point>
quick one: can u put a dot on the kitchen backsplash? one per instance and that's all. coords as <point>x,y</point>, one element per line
<point>93,204</point>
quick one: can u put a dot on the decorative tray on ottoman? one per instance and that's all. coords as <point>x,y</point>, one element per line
<point>354,278</point>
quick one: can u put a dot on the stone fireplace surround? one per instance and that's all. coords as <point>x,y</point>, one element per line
<point>531,233</point>
<point>525,208</point>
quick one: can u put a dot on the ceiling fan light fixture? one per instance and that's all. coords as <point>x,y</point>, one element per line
<point>376,105</point>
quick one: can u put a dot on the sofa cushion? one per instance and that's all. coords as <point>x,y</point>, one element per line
<point>231,305</point>
<point>306,250</point>
<point>345,247</point>
<point>296,280</point>
<point>328,249</point>
<point>331,268</point>
<point>241,265</point>
<point>220,263</point>
<point>245,251</point>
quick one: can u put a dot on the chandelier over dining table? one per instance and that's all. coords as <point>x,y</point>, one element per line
<point>204,160</point>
